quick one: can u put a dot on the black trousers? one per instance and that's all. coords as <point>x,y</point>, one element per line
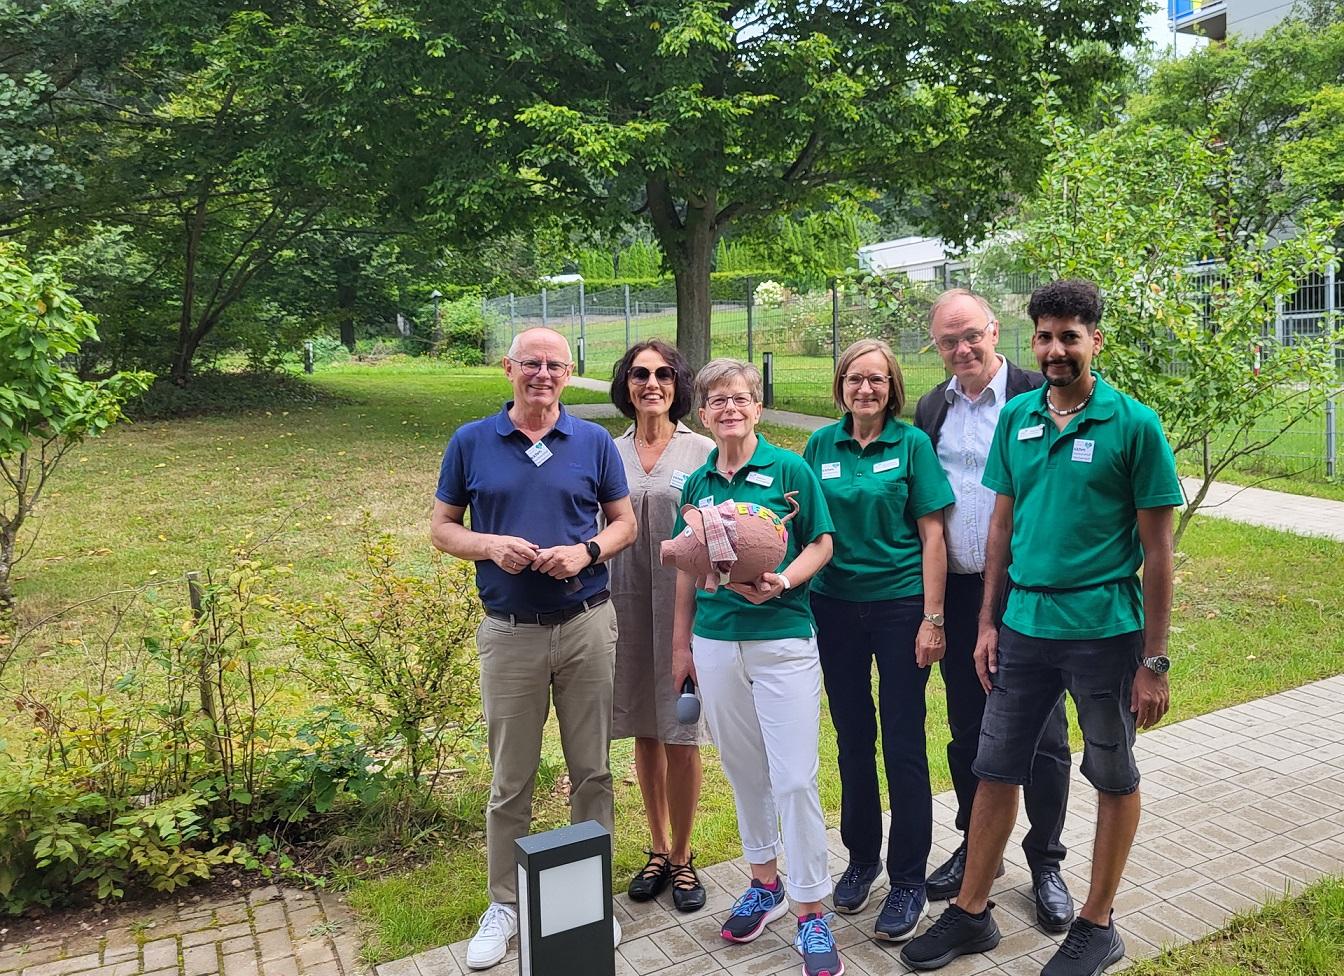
<point>1047,795</point>
<point>850,636</point>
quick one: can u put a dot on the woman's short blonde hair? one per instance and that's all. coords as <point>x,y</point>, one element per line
<point>896,392</point>
<point>718,371</point>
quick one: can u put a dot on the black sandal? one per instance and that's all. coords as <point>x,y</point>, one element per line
<point>688,894</point>
<point>652,878</point>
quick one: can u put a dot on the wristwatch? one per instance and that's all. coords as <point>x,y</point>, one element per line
<point>934,618</point>
<point>594,551</point>
<point>1158,663</point>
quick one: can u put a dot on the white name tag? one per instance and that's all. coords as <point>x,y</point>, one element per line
<point>881,466</point>
<point>539,453</point>
<point>756,478</point>
<point>1082,451</point>
<point>707,500</point>
<point>830,469</point>
<point>1031,433</point>
<point>678,479</point>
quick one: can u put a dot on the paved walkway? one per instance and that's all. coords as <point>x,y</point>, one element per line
<point>268,932</point>
<point>1241,806</point>
<point>1276,509</point>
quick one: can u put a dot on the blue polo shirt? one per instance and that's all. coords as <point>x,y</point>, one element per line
<point>486,469</point>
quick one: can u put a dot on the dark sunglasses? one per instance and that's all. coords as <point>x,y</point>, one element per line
<point>664,374</point>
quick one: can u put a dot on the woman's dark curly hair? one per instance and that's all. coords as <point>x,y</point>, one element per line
<point>620,376</point>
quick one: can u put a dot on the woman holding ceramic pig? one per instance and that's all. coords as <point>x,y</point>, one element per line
<point>752,650</point>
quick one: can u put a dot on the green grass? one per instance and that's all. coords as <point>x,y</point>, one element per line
<point>1256,611</point>
<point>1301,936</point>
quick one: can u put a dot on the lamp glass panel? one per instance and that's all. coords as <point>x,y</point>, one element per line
<point>524,926</point>
<point>570,895</point>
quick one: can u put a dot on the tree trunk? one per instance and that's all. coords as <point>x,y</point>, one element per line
<point>688,245</point>
<point>8,533</point>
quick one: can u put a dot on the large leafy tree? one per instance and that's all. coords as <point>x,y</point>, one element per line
<point>703,114</point>
<point>215,143</point>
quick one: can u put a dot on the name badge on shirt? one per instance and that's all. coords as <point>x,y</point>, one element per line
<point>830,469</point>
<point>1031,433</point>
<point>756,478</point>
<point>707,500</point>
<point>539,453</point>
<point>678,479</point>
<point>881,466</point>
<point>1082,451</point>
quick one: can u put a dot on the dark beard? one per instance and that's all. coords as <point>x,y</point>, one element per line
<point>1069,380</point>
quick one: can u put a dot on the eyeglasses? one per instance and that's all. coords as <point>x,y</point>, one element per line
<point>663,374</point>
<point>739,400</point>
<point>878,381</point>
<point>949,343</point>
<point>531,367</point>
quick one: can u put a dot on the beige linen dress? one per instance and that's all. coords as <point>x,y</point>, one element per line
<point>644,592</point>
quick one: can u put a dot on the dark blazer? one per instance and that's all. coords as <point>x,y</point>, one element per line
<point>931,411</point>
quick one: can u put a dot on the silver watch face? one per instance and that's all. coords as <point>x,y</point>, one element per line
<point>1160,664</point>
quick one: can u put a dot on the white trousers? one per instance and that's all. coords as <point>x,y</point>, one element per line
<point>762,700</point>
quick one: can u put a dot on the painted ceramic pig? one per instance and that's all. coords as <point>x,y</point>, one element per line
<point>730,542</point>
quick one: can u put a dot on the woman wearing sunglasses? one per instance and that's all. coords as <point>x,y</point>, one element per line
<point>652,386</point>
<point>880,597</point>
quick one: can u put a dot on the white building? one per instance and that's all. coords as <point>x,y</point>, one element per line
<point>921,258</point>
<point>1217,19</point>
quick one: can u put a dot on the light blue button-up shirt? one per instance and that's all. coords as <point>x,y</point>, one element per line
<point>963,445</point>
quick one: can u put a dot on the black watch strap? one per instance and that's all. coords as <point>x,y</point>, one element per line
<point>594,551</point>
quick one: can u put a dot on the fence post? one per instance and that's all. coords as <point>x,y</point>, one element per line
<point>544,317</point>
<point>626,289</point>
<point>768,377</point>
<point>583,327</point>
<point>308,356</point>
<point>751,308</point>
<point>1331,439</point>
<point>835,324</point>
<point>513,318</point>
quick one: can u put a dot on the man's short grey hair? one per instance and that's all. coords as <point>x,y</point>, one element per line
<point>513,346</point>
<point>952,293</point>
<point>718,371</point>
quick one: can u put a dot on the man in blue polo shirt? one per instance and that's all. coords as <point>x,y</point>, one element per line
<point>536,480</point>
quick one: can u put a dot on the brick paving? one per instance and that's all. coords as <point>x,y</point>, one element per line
<point>1240,807</point>
<point>268,932</point>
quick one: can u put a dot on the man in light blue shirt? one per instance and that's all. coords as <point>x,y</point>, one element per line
<point>959,416</point>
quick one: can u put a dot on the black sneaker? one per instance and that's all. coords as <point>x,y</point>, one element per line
<point>1087,950</point>
<point>757,908</point>
<point>955,933</point>
<point>851,891</point>
<point>945,881</point>
<point>816,945</point>
<point>901,912</point>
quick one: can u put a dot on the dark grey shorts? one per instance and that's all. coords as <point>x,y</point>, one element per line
<point>1033,671</point>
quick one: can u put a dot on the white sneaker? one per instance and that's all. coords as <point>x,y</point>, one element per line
<point>615,932</point>
<point>490,944</point>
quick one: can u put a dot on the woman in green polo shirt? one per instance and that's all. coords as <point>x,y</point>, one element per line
<point>880,597</point>
<point>751,648</point>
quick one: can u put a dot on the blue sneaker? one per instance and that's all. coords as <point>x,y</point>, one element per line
<point>901,912</point>
<point>816,945</point>
<point>757,908</point>
<point>851,891</point>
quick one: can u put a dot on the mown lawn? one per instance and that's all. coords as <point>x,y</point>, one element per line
<point>1257,611</point>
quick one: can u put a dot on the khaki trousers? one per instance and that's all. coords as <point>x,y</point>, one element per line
<point>522,667</point>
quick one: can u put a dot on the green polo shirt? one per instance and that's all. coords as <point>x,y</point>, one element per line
<point>1076,494</point>
<point>876,495</point>
<point>723,614</point>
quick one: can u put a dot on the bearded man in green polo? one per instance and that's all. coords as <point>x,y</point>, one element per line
<point>1085,486</point>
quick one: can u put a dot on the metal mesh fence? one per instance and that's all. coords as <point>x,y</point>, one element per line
<point>801,332</point>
